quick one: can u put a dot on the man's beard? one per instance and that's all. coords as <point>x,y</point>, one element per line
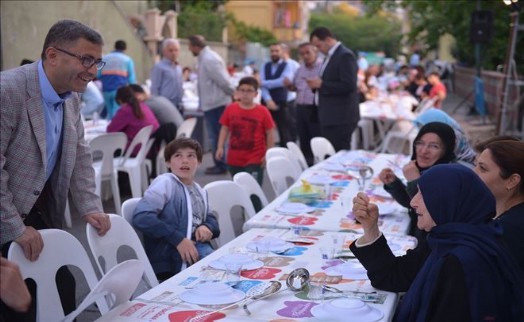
<point>275,59</point>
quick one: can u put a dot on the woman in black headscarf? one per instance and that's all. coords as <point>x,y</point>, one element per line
<point>462,272</point>
<point>434,144</point>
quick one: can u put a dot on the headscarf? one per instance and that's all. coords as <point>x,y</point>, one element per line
<point>463,149</point>
<point>461,205</point>
<point>445,133</point>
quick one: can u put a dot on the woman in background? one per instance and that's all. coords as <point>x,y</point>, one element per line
<point>132,116</point>
<point>434,144</point>
<point>500,165</point>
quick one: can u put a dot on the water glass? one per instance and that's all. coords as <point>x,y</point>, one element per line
<point>316,288</point>
<point>327,253</point>
<point>233,271</point>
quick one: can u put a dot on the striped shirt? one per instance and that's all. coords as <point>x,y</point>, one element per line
<point>305,95</point>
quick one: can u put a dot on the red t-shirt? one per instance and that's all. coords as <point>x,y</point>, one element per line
<point>435,89</point>
<point>247,129</point>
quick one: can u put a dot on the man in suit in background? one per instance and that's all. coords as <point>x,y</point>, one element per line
<point>43,154</point>
<point>336,89</point>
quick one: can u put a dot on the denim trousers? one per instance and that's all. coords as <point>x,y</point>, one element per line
<point>212,118</point>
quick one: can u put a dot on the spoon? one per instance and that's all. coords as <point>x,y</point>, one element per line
<point>296,281</point>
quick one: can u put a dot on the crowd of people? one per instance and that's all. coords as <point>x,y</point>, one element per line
<point>466,204</point>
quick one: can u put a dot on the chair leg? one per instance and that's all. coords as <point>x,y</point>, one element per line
<point>116,194</point>
<point>135,180</point>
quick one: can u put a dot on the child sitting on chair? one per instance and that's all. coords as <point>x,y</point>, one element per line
<point>173,215</point>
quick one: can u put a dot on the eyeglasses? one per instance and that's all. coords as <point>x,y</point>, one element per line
<point>87,61</point>
<point>429,146</point>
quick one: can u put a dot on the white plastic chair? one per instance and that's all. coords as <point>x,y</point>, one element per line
<point>279,169</point>
<point>117,287</point>
<point>105,248</point>
<point>283,152</point>
<point>396,140</point>
<point>296,152</point>
<point>251,186</point>
<point>128,207</point>
<point>321,148</point>
<point>363,133</point>
<point>186,128</point>
<point>107,144</point>
<point>135,166</point>
<point>222,196</point>
<point>60,249</point>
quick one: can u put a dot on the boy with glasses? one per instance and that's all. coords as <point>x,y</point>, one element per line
<point>250,130</point>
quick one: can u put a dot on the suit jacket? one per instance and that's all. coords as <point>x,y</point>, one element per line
<point>23,156</point>
<point>338,102</point>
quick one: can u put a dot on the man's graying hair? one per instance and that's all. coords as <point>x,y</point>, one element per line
<point>66,32</point>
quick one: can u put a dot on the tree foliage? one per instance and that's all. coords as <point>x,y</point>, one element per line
<point>432,18</point>
<point>377,33</point>
<point>245,33</point>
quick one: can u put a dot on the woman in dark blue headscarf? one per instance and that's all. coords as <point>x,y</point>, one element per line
<point>462,272</point>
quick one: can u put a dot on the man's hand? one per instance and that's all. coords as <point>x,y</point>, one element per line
<point>188,251</point>
<point>31,242</point>
<point>314,82</point>
<point>411,171</point>
<point>367,214</point>
<point>387,176</point>
<point>203,234</point>
<point>100,221</point>
<point>271,105</point>
<point>13,291</point>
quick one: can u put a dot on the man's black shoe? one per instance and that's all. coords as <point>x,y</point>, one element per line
<point>215,170</point>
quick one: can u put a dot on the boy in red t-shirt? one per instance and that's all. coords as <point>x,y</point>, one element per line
<point>251,132</point>
<point>438,89</point>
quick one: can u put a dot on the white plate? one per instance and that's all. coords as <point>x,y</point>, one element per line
<point>320,179</point>
<point>351,270</point>
<point>346,310</point>
<point>269,244</point>
<point>332,166</point>
<point>380,192</point>
<point>212,294</point>
<point>247,262</point>
<point>294,208</point>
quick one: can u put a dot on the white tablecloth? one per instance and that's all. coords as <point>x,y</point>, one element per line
<point>161,303</point>
<point>334,213</point>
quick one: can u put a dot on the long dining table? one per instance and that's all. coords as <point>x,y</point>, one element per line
<point>338,179</point>
<point>169,300</point>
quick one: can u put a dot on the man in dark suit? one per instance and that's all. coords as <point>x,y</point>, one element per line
<point>336,89</point>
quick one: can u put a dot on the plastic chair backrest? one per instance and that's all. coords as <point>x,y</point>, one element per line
<point>279,169</point>
<point>106,247</point>
<point>128,207</point>
<point>222,196</point>
<point>186,128</point>
<point>142,139</point>
<point>296,152</point>
<point>251,186</point>
<point>107,144</point>
<point>321,148</point>
<point>283,152</point>
<point>116,286</point>
<point>61,248</point>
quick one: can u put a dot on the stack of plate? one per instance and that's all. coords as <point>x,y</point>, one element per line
<point>269,244</point>
<point>212,294</point>
<point>245,260</point>
<point>346,310</point>
<point>319,179</point>
<point>350,270</point>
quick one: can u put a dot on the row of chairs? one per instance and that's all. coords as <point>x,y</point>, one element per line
<point>118,282</point>
<point>137,167</point>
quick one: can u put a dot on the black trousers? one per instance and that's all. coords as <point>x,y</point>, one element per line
<point>65,281</point>
<point>281,119</point>
<point>307,128</point>
<point>339,135</point>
